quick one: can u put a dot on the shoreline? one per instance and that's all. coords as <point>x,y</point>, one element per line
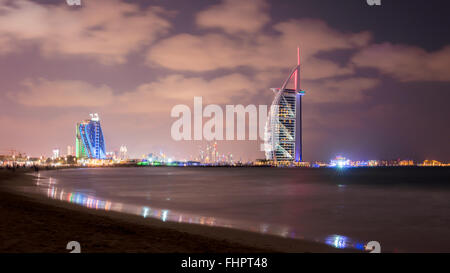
<point>33,223</point>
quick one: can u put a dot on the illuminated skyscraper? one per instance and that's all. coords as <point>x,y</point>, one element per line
<point>70,150</point>
<point>89,139</point>
<point>123,152</point>
<point>284,124</point>
<point>55,153</point>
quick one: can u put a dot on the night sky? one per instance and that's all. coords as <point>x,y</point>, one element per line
<point>377,78</point>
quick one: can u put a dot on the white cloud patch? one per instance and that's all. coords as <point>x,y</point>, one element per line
<point>200,53</point>
<point>350,90</point>
<point>162,95</point>
<point>62,93</point>
<point>157,96</point>
<point>235,16</point>
<point>406,63</point>
<point>104,30</point>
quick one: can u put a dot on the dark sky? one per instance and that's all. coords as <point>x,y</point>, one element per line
<point>377,78</point>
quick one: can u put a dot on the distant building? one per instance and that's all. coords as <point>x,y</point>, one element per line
<point>89,139</point>
<point>340,162</point>
<point>123,152</point>
<point>432,163</point>
<point>70,159</point>
<point>262,162</point>
<point>70,150</point>
<point>406,163</point>
<point>55,153</point>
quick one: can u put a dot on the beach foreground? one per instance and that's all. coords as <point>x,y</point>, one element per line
<point>34,224</point>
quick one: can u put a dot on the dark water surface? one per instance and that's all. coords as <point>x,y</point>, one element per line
<point>405,209</point>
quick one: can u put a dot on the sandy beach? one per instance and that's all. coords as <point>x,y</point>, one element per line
<point>35,224</point>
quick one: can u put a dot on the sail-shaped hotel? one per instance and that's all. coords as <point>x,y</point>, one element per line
<point>284,124</point>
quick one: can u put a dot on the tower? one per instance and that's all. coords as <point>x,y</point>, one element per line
<point>89,139</point>
<point>284,125</point>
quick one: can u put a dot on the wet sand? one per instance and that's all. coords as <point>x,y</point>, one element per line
<point>35,224</point>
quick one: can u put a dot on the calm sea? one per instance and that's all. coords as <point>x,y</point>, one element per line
<point>404,209</point>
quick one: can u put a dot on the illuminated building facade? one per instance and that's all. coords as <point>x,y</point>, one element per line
<point>123,152</point>
<point>284,125</point>
<point>55,153</point>
<point>406,163</point>
<point>433,163</point>
<point>70,150</point>
<point>89,139</point>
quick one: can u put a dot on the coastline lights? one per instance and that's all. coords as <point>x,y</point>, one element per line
<point>341,242</point>
<point>165,215</point>
<point>340,162</point>
<point>145,211</point>
<point>337,241</point>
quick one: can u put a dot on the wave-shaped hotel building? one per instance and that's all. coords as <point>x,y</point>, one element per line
<point>89,139</point>
<point>284,124</point>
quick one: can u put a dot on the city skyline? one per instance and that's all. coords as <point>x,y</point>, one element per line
<point>372,93</point>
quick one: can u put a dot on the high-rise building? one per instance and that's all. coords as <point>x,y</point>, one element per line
<point>70,150</point>
<point>55,153</point>
<point>123,152</point>
<point>89,139</point>
<point>284,124</point>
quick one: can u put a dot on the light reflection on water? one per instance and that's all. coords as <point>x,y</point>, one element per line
<point>339,241</point>
<point>48,186</point>
<point>390,206</point>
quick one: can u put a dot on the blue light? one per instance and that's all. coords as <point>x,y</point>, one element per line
<point>359,246</point>
<point>164,215</point>
<point>340,162</point>
<point>145,211</point>
<point>90,141</point>
<point>337,241</point>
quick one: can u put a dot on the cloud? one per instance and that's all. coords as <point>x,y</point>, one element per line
<point>318,36</point>
<point>186,52</point>
<point>208,52</point>
<point>104,30</point>
<point>235,16</point>
<point>62,93</point>
<point>406,63</point>
<point>157,96</point>
<point>162,95</point>
<point>6,45</point>
<point>348,90</point>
